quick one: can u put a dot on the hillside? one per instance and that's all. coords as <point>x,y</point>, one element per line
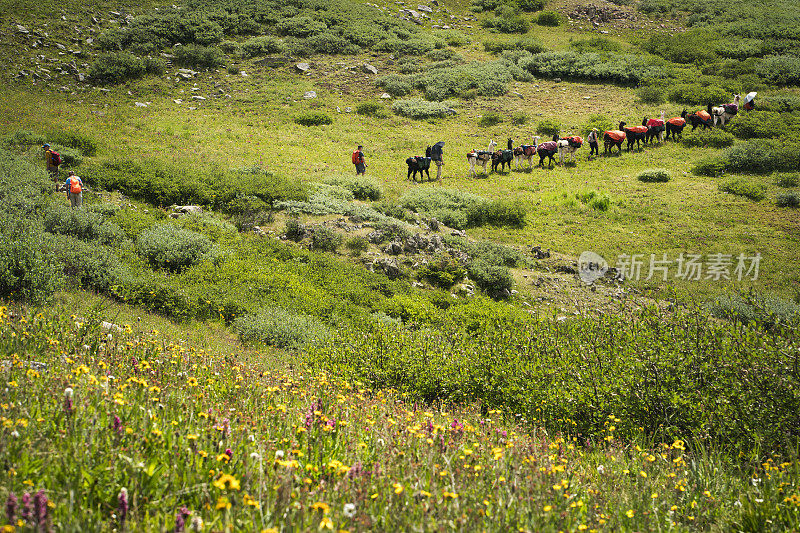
<point>237,333</point>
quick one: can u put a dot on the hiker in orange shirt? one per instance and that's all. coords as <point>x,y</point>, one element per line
<point>358,161</point>
<point>74,187</point>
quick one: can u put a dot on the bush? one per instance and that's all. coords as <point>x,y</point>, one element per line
<point>492,279</point>
<point>116,68</point>
<point>548,18</point>
<point>696,94</point>
<point>82,224</point>
<point>258,46</point>
<point>27,271</point>
<point>313,118</point>
<point>86,146</point>
<point>601,122</point>
<point>490,119</point>
<point>170,247</point>
<point>650,94</point>
<point>764,124</point>
<point>628,69</point>
<point>519,119</point>
<point>654,175</point>
<point>498,213</point>
<point>764,155</point>
<point>395,85</point>
<point>230,47</point>
<point>419,109</point>
<point>531,5</point>
<point>280,328</point>
<point>714,138</point>
<point>788,199</point>
<point>325,239</point>
<point>371,109</point>
<point>443,54</point>
<point>198,56</point>
<point>742,187</point>
<point>596,44</point>
<point>766,311</point>
<point>331,43</point>
<point>712,166</point>
<point>363,188</point>
<point>455,38</point>
<point>85,264</point>
<point>780,70</point>
<point>548,128</point>
<point>70,158</point>
<point>787,180</point>
<point>442,271</point>
<point>356,245</point>
<point>294,230</point>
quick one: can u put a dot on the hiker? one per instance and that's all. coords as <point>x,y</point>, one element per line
<point>592,138</point>
<point>436,157</point>
<point>52,160</point>
<point>74,186</point>
<point>358,161</point>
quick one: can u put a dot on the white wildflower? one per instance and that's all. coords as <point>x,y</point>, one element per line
<point>349,510</point>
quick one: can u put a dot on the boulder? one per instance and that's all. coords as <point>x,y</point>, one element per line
<point>370,69</point>
<point>309,94</point>
<point>389,266</point>
<point>22,29</point>
<point>386,96</point>
<point>302,67</point>
<point>424,8</point>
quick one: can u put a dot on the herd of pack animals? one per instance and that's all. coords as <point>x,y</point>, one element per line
<point>652,130</point>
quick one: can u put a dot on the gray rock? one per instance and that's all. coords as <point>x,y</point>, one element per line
<point>348,109</point>
<point>275,62</point>
<point>370,69</point>
<point>390,267</point>
<point>302,67</point>
<point>22,29</point>
<point>426,9</point>
<point>140,104</point>
<point>386,96</point>
<point>60,46</point>
<point>198,97</point>
<point>393,248</point>
<point>309,94</point>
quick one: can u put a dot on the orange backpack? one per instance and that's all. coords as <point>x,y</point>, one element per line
<point>74,185</point>
<point>357,157</point>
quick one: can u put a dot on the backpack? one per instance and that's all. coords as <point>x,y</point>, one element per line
<point>357,157</point>
<point>74,185</point>
<point>55,158</point>
<point>436,152</point>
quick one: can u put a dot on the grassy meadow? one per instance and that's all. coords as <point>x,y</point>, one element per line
<point>317,352</point>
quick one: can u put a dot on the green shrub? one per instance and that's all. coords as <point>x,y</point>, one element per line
<point>28,272</point>
<point>325,239</point>
<point>780,70</point>
<point>313,118</point>
<point>455,38</point>
<point>82,224</point>
<point>331,43</point>
<point>70,158</point>
<point>198,56</point>
<point>714,138</point>
<point>710,166</point>
<point>695,94</point>
<point>627,69</point>
<point>742,187</point>
<point>213,227</point>
<point>25,138</point>
<point>419,109</point>
<point>548,18</point>
<point>492,279</point>
<point>519,118</point>
<point>764,155</point>
<point>371,109</point>
<point>592,199</point>
<point>395,85</point>
<point>280,328</point>
<point>766,311</point>
<point>788,199</point>
<point>432,199</point>
<point>392,231</point>
<point>531,5</point>
<point>264,45</point>
<point>170,247</point>
<point>490,119</point>
<point>356,245</point>
<point>548,128</point>
<point>116,68</point>
<point>86,146</point>
<point>650,94</point>
<point>443,54</point>
<point>601,122</point>
<point>654,175</point>
<point>442,271</point>
<point>479,6</point>
<point>787,179</point>
<point>363,188</point>
<point>764,124</point>
<point>498,213</point>
<point>230,47</point>
<point>294,230</point>
<point>85,264</point>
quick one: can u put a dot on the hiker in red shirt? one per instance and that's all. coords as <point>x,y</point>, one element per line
<point>358,160</point>
<point>52,159</point>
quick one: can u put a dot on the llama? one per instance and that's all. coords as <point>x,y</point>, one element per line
<point>547,149</point>
<point>480,157</point>
<point>526,153</point>
<point>675,126</point>
<point>655,128</point>
<point>700,118</point>
<point>568,145</point>
<point>725,112</point>
<point>635,135</point>
<point>419,164</point>
<point>612,138</point>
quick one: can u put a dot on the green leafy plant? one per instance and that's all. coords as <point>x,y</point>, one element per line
<point>170,247</point>
<point>313,118</point>
<point>654,175</point>
<point>742,187</point>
